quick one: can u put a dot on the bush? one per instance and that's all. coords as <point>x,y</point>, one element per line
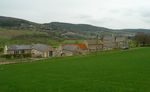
<point>132,44</point>
<point>27,55</point>
<point>8,56</point>
<point>1,50</point>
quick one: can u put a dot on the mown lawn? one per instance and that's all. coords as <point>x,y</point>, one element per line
<point>119,71</point>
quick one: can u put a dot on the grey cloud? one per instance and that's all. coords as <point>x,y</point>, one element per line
<point>107,13</point>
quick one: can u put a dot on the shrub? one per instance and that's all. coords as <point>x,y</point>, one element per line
<point>1,50</point>
<point>8,56</point>
<point>27,55</point>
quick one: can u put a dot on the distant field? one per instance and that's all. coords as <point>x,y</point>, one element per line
<point>118,71</point>
<point>11,36</point>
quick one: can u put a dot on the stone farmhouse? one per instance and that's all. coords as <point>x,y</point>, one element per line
<point>94,45</point>
<point>106,43</point>
<point>73,49</point>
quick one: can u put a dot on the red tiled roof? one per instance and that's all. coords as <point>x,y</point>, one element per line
<point>81,46</point>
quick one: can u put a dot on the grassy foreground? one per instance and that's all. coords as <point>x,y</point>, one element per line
<point>125,71</point>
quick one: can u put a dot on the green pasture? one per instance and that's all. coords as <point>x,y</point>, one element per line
<point>115,71</point>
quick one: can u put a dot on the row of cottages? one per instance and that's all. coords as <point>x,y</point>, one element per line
<point>45,51</point>
<point>36,50</point>
<point>92,45</point>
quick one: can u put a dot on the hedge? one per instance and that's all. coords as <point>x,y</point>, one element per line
<point>9,56</point>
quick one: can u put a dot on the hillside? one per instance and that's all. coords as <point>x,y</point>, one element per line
<point>59,28</point>
<point>119,71</point>
<point>136,30</point>
<point>15,36</point>
<point>82,30</point>
<point>9,22</point>
<point>20,23</point>
<point>75,27</point>
<point>19,29</point>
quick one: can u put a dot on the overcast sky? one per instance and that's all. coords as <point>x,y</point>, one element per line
<point>105,13</point>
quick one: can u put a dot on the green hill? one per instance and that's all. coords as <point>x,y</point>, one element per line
<point>14,31</point>
<point>56,28</point>
<point>75,27</point>
<point>10,22</point>
<point>136,30</point>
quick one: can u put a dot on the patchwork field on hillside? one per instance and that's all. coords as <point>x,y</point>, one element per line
<point>12,36</point>
<point>117,71</point>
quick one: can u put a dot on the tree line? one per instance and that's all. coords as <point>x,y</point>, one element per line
<point>142,39</point>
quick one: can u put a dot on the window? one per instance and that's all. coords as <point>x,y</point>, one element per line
<point>23,51</point>
<point>50,53</point>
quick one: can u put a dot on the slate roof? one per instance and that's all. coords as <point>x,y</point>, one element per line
<point>74,47</point>
<point>19,47</point>
<point>39,47</point>
<point>70,47</point>
<point>93,42</point>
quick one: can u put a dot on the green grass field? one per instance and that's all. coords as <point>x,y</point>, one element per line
<point>117,71</point>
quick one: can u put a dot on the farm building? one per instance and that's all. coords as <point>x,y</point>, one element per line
<point>106,43</point>
<point>109,42</point>
<point>94,45</point>
<point>73,49</point>
<point>116,42</point>
<point>121,42</point>
<point>36,50</point>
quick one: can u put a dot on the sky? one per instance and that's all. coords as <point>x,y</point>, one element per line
<point>116,14</point>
